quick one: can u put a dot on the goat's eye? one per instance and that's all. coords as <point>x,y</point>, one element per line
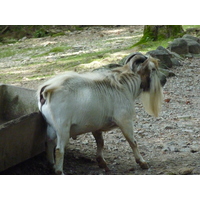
<point>153,69</point>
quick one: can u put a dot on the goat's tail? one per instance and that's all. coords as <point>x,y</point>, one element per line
<point>47,88</point>
<point>153,98</point>
<point>44,92</point>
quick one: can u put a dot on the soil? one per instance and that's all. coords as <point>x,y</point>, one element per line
<point>170,143</point>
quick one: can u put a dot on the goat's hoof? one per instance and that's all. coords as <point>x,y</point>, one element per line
<point>107,169</point>
<point>144,165</point>
<point>102,164</point>
<point>59,172</point>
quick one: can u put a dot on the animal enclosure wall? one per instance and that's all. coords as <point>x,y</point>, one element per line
<point>22,128</point>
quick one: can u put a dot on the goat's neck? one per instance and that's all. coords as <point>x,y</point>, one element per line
<point>132,83</point>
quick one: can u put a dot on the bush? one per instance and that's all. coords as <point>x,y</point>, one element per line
<point>41,33</point>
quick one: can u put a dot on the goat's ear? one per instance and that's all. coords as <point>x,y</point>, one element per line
<point>122,69</point>
<point>126,68</point>
<point>144,73</point>
<point>155,62</point>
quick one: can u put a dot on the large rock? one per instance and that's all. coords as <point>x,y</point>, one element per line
<point>179,46</point>
<point>163,55</point>
<point>188,44</point>
<point>166,57</point>
<point>193,46</point>
<point>187,36</point>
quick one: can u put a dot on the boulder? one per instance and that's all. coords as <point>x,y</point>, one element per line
<point>175,62</point>
<point>163,55</point>
<point>193,46</point>
<point>166,57</point>
<point>187,36</point>
<point>187,45</point>
<point>179,46</point>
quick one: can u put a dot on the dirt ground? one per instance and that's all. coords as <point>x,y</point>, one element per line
<point>169,143</point>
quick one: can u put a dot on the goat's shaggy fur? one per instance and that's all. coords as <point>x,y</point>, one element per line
<point>113,79</point>
<point>152,98</point>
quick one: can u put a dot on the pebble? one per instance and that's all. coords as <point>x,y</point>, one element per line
<point>159,146</point>
<point>194,148</point>
<point>185,150</point>
<point>196,170</point>
<point>169,127</point>
<point>85,142</point>
<point>185,171</point>
<point>187,130</point>
<point>184,117</point>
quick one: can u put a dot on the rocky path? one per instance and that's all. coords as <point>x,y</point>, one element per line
<point>169,143</point>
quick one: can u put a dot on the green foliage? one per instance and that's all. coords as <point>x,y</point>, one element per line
<point>57,34</point>
<point>185,27</point>
<point>58,49</point>
<point>41,33</point>
<point>19,31</point>
<point>152,45</point>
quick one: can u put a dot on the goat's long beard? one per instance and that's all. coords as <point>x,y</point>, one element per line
<point>152,99</point>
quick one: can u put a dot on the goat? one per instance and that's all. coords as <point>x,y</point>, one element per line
<point>76,103</point>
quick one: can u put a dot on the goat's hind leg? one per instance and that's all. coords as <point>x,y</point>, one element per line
<point>50,144</point>
<point>100,144</point>
<point>62,140</point>
<point>127,130</point>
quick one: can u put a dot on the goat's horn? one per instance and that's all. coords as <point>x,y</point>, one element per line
<point>129,57</point>
<point>136,60</point>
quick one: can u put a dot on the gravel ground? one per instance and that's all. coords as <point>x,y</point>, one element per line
<point>169,143</point>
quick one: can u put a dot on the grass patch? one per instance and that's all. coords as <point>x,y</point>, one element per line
<point>34,77</point>
<point>15,50</point>
<point>7,53</point>
<point>59,49</point>
<point>149,46</point>
<point>58,34</point>
<point>185,27</point>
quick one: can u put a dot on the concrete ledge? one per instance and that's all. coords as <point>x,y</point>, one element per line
<point>21,139</point>
<point>22,127</point>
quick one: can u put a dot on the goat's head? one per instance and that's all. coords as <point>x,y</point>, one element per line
<point>147,70</point>
<point>151,86</point>
<point>136,59</point>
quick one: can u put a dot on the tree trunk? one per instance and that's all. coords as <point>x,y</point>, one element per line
<point>160,32</point>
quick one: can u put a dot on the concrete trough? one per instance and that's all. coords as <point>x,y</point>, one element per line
<point>22,128</point>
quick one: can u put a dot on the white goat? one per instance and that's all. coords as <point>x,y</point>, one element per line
<point>73,104</point>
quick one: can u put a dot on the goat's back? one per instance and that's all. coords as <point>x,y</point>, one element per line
<point>88,102</point>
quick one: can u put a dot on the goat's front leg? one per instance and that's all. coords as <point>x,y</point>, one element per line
<point>100,144</point>
<point>127,130</point>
